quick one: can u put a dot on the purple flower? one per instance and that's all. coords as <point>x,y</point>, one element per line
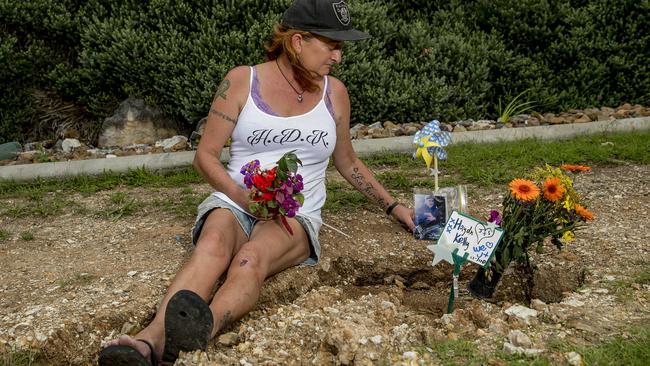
<point>495,217</point>
<point>250,167</point>
<point>249,170</point>
<point>297,183</point>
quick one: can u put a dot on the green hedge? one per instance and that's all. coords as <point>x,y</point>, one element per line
<point>428,58</point>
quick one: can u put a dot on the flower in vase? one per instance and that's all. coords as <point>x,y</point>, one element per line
<point>530,216</point>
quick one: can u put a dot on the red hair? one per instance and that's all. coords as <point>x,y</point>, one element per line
<point>279,43</point>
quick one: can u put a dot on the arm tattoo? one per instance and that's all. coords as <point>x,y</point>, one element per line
<point>221,90</point>
<point>222,115</point>
<point>367,188</point>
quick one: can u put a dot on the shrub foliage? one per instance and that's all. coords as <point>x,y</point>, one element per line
<point>427,59</point>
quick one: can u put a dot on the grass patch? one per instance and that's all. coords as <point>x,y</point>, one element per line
<point>341,195</point>
<point>635,350</point>
<point>107,181</point>
<point>27,236</point>
<point>480,164</point>
<point>80,279</point>
<point>619,351</point>
<point>122,206</point>
<point>4,234</point>
<point>498,163</point>
<point>21,358</point>
<point>463,352</point>
<point>183,206</point>
<point>642,278</point>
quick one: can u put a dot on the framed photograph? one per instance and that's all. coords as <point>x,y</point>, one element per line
<point>430,215</point>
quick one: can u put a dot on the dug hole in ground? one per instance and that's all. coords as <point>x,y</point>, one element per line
<point>374,299</point>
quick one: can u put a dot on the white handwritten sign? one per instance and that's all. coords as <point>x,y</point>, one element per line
<point>476,238</point>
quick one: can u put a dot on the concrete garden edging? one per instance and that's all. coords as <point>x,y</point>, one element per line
<point>362,147</point>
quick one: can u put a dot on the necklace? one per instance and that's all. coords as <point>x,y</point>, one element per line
<point>288,82</point>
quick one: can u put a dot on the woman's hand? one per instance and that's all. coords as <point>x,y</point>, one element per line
<point>404,216</point>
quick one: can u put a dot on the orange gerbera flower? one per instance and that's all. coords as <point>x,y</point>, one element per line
<point>523,189</point>
<point>553,189</point>
<point>586,214</point>
<point>575,168</point>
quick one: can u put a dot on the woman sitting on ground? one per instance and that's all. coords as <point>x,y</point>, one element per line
<point>287,103</point>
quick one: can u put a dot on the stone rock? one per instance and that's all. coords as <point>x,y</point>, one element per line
<point>498,326</point>
<point>621,113</point>
<point>519,339</point>
<point>465,123</point>
<point>460,128</point>
<point>228,339</point>
<point>420,285</point>
<point>446,127</point>
<point>359,130</point>
<point>28,156</point>
<point>39,145</point>
<point>175,143</point>
<point>574,359</point>
<point>69,145</point>
<point>378,133</point>
<point>582,118</point>
<point>520,119</point>
<point>481,125</point>
<point>522,312</point>
<point>582,325</point>
<point>127,328</point>
<point>195,137</point>
<point>511,349</point>
<point>538,305</point>
<point>9,150</point>
<point>136,123</point>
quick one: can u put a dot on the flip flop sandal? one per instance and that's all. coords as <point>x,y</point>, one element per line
<point>188,324</point>
<point>126,356</point>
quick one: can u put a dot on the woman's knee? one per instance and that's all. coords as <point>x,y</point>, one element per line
<point>213,244</point>
<point>248,262</point>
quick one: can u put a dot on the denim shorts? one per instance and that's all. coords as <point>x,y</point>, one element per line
<point>247,222</point>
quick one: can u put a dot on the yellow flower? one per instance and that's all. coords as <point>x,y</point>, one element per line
<point>568,236</point>
<point>567,204</point>
<point>524,190</point>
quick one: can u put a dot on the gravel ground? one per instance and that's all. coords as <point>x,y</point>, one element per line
<point>374,299</point>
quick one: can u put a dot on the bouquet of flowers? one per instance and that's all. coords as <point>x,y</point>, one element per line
<point>275,192</point>
<point>544,206</point>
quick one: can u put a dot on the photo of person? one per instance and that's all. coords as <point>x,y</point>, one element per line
<point>430,213</point>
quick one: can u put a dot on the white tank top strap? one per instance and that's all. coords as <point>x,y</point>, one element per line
<point>325,86</point>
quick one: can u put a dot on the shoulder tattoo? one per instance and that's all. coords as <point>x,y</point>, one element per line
<point>221,90</point>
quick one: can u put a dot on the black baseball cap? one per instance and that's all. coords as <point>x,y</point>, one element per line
<point>327,18</point>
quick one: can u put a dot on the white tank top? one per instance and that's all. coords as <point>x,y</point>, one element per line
<point>259,135</point>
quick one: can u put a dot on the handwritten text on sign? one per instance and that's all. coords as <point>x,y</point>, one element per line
<point>471,236</point>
